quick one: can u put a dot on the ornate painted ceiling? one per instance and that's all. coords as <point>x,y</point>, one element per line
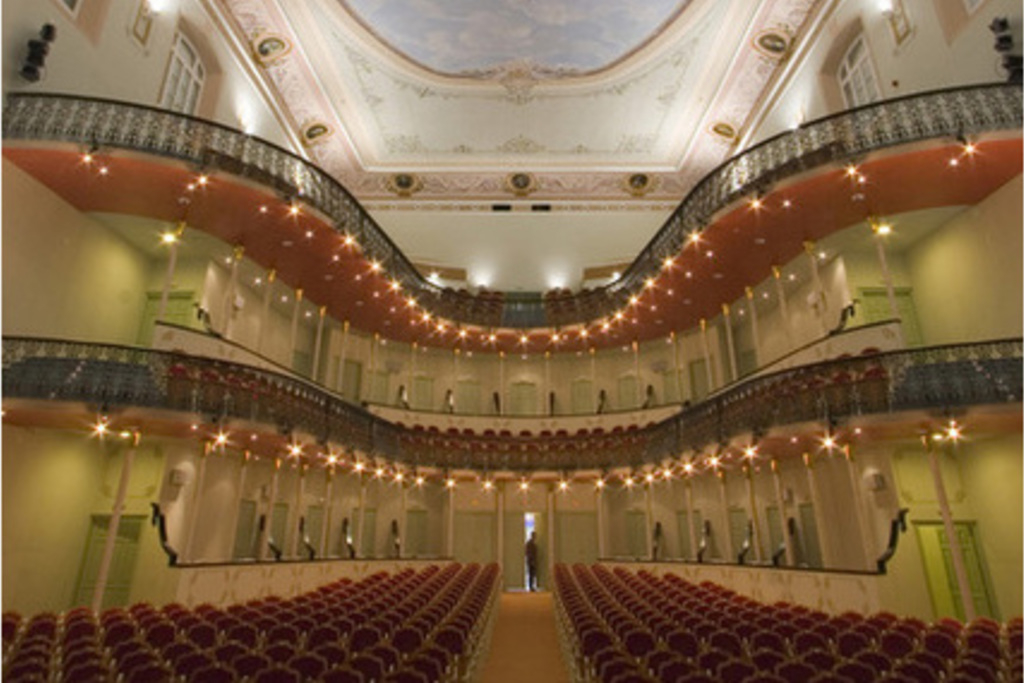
<point>432,108</point>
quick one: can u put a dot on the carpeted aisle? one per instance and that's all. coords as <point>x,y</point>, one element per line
<point>524,647</point>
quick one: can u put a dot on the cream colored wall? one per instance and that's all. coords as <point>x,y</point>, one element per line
<point>81,59</point>
<point>67,276</point>
<point>53,481</point>
<point>926,61</point>
<point>967,275</point>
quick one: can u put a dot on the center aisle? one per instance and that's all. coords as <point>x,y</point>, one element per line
<point>524,647</point>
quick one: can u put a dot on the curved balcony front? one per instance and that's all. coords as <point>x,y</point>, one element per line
<point>63,383</point>
<point>291,216</point>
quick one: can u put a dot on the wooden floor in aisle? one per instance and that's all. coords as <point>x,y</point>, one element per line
<point>524,648</point>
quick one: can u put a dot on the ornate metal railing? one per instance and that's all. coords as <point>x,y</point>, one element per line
<point>835,139</point>
<point>944,379</point>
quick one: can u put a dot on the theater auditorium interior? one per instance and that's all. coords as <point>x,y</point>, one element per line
<point>315,311</point>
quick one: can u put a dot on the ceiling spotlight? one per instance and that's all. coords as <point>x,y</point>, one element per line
<point>750,452</point>
<point>488,484</point>
<point>953,431</point>
<point>294,210</point>
<point>449,483</point>
<point>399,477</point>
<point>688,467</point>
<point>524,485</point>
<point>168,237</point>
<point>221,439</point>
<point>563,486</point>
<point>420,480</point>
<point>359,466</point>
<point>599,484</point>
<point>649,477</point>
<point>295,450</point>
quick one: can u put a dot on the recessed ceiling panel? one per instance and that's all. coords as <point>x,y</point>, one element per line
<point>554,37</point>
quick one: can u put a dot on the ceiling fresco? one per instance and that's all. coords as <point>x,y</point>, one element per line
<point>554,37</point>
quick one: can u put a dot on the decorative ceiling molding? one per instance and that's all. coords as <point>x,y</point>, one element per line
<point>386,108</point>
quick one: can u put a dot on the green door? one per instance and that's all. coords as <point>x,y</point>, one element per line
<point>368,539</point>
<point>636,534</point>
<point>808,542</point>
<point>467,397</point>
<point>245,532</point>
<point>938,564</point>
<point>352,380</point>
<point>522,399</point>
<point>416,529</point>
<point>279,525</point>
<point>698,380</point>
<point>475,537</point>
<point>122,565</point>
<point>738,532</point>
<point>576,537</point>
<point>775,533</point>
<point>179,311</point>
<point>582,397</point>
<point>514,560</point>
<point>422,396</point>
<point>314,525</point>
<point>688,546</point>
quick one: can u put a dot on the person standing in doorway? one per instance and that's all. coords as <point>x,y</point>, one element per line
<point>531,562</point>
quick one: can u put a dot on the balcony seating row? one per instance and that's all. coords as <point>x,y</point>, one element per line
<point>624,627</point>
<point>410,627</point>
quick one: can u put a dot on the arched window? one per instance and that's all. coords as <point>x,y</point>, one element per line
<point>185,77</point>
<point>856,75</point>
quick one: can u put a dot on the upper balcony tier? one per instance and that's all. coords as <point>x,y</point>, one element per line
<point>289,215</point>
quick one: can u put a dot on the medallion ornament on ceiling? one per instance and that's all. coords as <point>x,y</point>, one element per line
<point>639,184</point>
<point>267,48</point>
<point>316,132</point>
<point>520,184</point>
<point>404,184</point>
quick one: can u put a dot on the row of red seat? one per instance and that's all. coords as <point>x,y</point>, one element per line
<point>410,627</point>
<point>623,627</point>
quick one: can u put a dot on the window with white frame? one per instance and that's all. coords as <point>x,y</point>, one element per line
<point>856,75</point>
<point>185,76</point>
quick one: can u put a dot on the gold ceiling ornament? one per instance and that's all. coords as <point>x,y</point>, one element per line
<point>268,48</point>
<point>404,184</point>
<point>639,184</point>
<point>774,43</point>
<point>520,184</point>
<point>316,132</point>
<point>724,130</point>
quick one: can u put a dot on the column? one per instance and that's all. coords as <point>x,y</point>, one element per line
<point>323,547</point>
<point>780,294</point>
<point>372,370</point>
<point>547,384</point>
<point>593,379</point>
<point>171,239</point>
<point>707,354</point>
<point>499,511</point>
<point>402,515</point>
<point>551,539</point>
<point>955,551</point>
<point>296,545</point>
<point>456,352</point>
<point>412,370</point>
<point>239,494</point>
<point>639,393</point>
<point>268,517</point>
<point>601,533</point>
<point>265,313</point>
<point>755,518</point>
<point>880,230</point>
<point>317,344</point>
<point>229,294</point>
<point>819,288</point>
<point>340,383</point>
<point>649,519</point>
<point>676,365</point>
<point>501,384</point>
<point>294,339</point>
<point>727,551</point>
<point>729,343</point>
<point>691,523</point>
<point>449,539</point>
<point>824,539</point>
<point>103,573</point>
<point>195,502</point>
<point>780,501</point>
<point>866,536</point>
<point>754,328</point>
<point>362,516</point>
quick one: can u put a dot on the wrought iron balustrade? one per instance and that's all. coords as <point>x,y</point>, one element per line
<point>941,379</point>
<point>835,139</point>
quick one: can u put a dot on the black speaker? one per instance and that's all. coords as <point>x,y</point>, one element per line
<point>32,68</point>
<point>1010,58</point>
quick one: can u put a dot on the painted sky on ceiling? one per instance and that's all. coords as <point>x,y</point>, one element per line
<point>470,36</point>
